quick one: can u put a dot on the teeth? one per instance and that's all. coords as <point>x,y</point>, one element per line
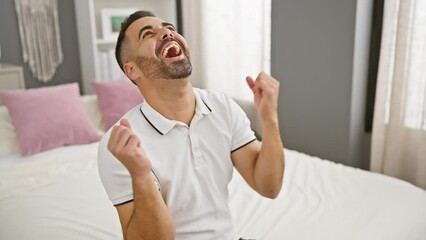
<point>166,50</point>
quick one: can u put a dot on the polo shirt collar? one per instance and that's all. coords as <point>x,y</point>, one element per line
<point>201,105</point>
<point>163,125</point>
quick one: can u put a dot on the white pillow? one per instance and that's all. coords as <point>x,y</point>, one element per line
<point>9,143</point>
<point>90,103</point>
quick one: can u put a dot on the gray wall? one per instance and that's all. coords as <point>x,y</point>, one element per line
<point>318,54</point>
<point>11,50</point>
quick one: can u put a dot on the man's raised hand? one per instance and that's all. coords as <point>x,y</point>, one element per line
<point>125,146</point>
<point>265,89</point>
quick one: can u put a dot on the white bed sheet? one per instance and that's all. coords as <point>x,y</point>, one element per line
<point>55,194</point>
<point>324,200</point>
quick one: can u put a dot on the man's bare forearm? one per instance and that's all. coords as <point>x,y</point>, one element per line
<point>269,164</point>
<point>269,168</point>
<point>151,218</point>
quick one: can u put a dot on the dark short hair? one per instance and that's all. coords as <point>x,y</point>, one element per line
<point>121,36</point>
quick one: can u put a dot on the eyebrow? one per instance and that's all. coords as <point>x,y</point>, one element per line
<point>164,24</point>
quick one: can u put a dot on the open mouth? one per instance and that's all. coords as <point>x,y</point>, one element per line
<point>172,50</point>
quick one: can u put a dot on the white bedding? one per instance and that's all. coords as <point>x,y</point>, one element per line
<point>324,200</point>
<point>57,194</point>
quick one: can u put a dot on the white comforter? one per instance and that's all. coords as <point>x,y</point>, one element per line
<point>57,194</point>
<point>324,200</point>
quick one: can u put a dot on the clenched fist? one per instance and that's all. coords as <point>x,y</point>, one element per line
<point>125,146</point>
<point>265,89</point>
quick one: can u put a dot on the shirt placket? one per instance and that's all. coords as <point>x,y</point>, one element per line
<point>195,143</point>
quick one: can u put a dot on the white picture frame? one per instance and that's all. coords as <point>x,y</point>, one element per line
<point>111,21</point>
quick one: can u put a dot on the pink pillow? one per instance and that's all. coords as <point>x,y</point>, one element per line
<point>116,98</point>
<point>49,117</point>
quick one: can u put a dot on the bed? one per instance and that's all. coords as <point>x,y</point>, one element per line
<point>57,194</point>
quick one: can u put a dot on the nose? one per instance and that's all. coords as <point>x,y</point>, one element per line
<point>166,34</point>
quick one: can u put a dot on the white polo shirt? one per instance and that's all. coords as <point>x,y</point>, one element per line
<point>192,165</point>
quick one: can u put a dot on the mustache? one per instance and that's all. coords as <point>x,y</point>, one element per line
<point>158,51</point>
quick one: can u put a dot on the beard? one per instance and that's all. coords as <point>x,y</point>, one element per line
<point>154,68</point>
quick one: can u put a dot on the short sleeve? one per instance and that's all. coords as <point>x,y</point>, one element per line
<point>114,175</point>
<point>242,134</point>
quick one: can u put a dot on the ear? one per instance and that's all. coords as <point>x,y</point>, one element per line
<point>131,71</point>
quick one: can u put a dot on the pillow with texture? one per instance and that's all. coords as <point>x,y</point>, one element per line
<point>49,117</point>
<point>116,98</point>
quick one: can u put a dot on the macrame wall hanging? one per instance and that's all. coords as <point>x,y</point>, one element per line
<point>40,36</point>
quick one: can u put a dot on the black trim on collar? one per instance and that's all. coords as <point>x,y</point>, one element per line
<point>119,204</point>
<point>152,125</point>
<point>243,145</point>
<point>206,105</point>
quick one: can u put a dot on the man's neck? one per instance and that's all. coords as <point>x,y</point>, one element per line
<point>174,99</point>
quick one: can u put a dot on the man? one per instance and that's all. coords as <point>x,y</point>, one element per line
<point>167,164</point>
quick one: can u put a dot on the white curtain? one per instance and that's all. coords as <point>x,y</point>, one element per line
<point>399,128</point>
<point>228,40</point>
